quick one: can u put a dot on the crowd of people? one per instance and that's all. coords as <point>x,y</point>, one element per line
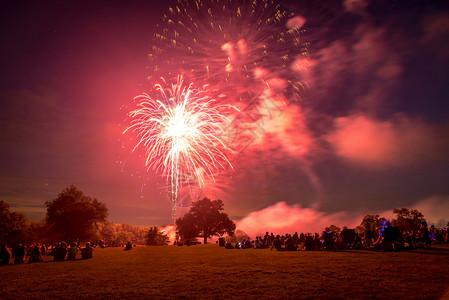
<point>387,238</point>
<point>35,252</point>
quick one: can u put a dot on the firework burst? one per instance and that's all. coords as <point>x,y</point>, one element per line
<point>234,47</point>
<point>182,132</point>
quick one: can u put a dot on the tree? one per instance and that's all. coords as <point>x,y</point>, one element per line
<point>122,237</point>
<point>334,228</point>
<point>371,223</point>
<point>205,219</point>
<point>74,216</point>
<point>155,237</point>
<point>107,232</point>
<point>11,223</point>
<point>408,220</point>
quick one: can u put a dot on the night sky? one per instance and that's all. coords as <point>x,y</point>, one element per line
<point>370,134</point>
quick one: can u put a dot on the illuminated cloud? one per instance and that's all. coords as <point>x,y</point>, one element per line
<point>283,125</point>
<point>436,36</point>
<point>296,22</point>
<point>435,209</point>
<point>282,218</point>
<point>355,6</point>
<point>380,144</point>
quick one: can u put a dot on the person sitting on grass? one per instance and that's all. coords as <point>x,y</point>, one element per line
<point>277,244</point>
<point>309,243</point>
<point>128,246</point>
<point>73,251</point>
<point>290,244</point>
<point>248,244</point>
<point>86,252</point>
<point>35,254</point>
<point>5,254</point>
<point>60,252</point>
<point>19,254</point>
<point>229,246</point>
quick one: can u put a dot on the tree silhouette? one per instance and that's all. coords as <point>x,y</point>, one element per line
<point>205,219</point>
<point>74,216</point>
<point>408,220</point>
<point>371,223</point>
<point>11,223</point>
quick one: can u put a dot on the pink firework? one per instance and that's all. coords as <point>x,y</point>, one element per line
<point>182,132</point>
<point>234,47</point>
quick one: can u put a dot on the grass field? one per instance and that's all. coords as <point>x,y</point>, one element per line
<point>209,271</point>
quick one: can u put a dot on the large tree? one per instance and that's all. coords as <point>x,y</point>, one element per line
<point>74,216</point>
<point>11,223</point>
<point>205,219</point>
<point>408,220</point>
<point>371,223</point>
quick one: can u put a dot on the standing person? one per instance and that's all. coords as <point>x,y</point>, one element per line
<point>73,251</point>
<point>424,235</point>
<point>44,249</point>
<point>328,238</point>
<point>5,254</point>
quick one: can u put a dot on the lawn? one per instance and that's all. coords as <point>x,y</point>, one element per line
<point>209,271</point>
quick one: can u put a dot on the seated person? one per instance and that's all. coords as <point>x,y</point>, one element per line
<point>35,255</point>
<point>72,252</point>
<point>229,246</point>
<point>86,252</point>
<point>60,252</point>
<point>277,244</point>
<point>19,254</point>
<point>290,244</point>
<point>128,246</point>
<point>309,244</point>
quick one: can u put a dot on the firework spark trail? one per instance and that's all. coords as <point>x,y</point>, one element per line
<point>182,134</point>
<point>234,47</point>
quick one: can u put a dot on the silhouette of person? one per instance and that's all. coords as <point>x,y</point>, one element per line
<point>5,255</point>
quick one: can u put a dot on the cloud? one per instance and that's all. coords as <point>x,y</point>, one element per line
<point>355,6</point>
<point>281,218</point>
<point>435,209</point>
<point>296,22</point>
<point>282,125</point>
<point>380,144</point>
<point>436,36</point>
<point>360,70</point>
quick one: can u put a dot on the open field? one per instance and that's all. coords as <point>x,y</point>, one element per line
<point>209,271</point>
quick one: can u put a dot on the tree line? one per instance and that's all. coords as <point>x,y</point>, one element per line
<point>73,216</point>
